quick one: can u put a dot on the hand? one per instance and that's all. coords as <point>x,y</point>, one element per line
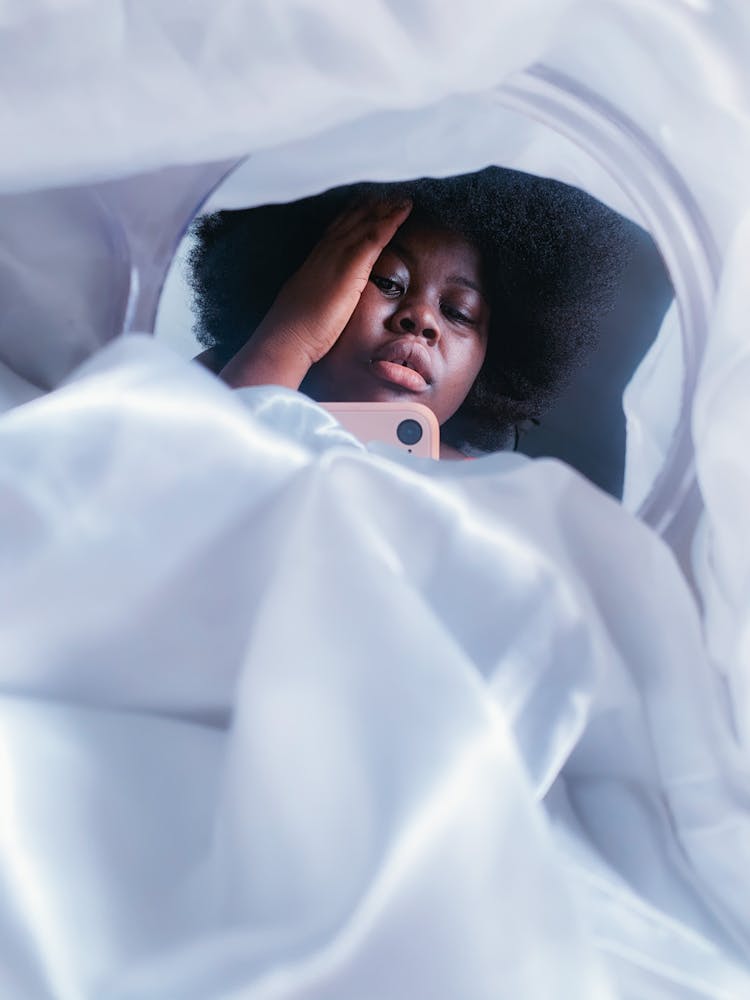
<point>316,303</point>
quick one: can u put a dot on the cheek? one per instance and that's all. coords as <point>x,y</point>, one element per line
<point>472,359</point>
<point>465,366</point>
<point>367,319</point>
<point>479,354</point>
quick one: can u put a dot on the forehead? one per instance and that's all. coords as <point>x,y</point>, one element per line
<point>436,249</point>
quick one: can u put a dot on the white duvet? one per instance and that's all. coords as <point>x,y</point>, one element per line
<point>285,717</point>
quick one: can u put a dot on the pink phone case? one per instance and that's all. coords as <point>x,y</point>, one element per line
<point>410,426</point>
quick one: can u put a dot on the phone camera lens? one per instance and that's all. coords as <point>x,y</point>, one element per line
<point>409,431</point>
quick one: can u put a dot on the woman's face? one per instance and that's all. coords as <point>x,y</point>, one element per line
<point>419,331</point>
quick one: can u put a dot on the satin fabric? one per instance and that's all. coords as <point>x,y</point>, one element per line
<point>285,717</point>
<point>282,716</point>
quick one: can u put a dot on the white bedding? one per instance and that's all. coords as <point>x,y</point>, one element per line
<point>280,715</point>
<point>284,717</point>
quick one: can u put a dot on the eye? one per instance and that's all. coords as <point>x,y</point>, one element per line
<point>388,286</point>
<point>456,315</point>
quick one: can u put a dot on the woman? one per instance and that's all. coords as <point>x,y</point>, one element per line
<point>486,290</point>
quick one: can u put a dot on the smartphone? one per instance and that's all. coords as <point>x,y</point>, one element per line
<point>409,426</point>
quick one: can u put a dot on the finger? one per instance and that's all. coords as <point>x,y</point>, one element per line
<point>365,242</point>
<point>356,209</point>
<point>359,237</point>
<point>369,214</point>
<point>348,258</point>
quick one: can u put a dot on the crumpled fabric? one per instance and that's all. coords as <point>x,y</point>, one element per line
<point>255,743</point>
<point>283,716</point>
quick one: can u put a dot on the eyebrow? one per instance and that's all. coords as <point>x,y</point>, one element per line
<point>456,279</point>
<point>459,279</point>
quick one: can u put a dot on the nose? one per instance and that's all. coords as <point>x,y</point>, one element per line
<point>417,317</point>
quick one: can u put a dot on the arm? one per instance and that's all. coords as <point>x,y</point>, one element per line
<point>317,302</point>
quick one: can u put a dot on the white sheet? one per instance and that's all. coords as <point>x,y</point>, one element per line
<point>284,718</point>
<point>255,741</point>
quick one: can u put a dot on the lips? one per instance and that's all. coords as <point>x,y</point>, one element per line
<point>404,362</point>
